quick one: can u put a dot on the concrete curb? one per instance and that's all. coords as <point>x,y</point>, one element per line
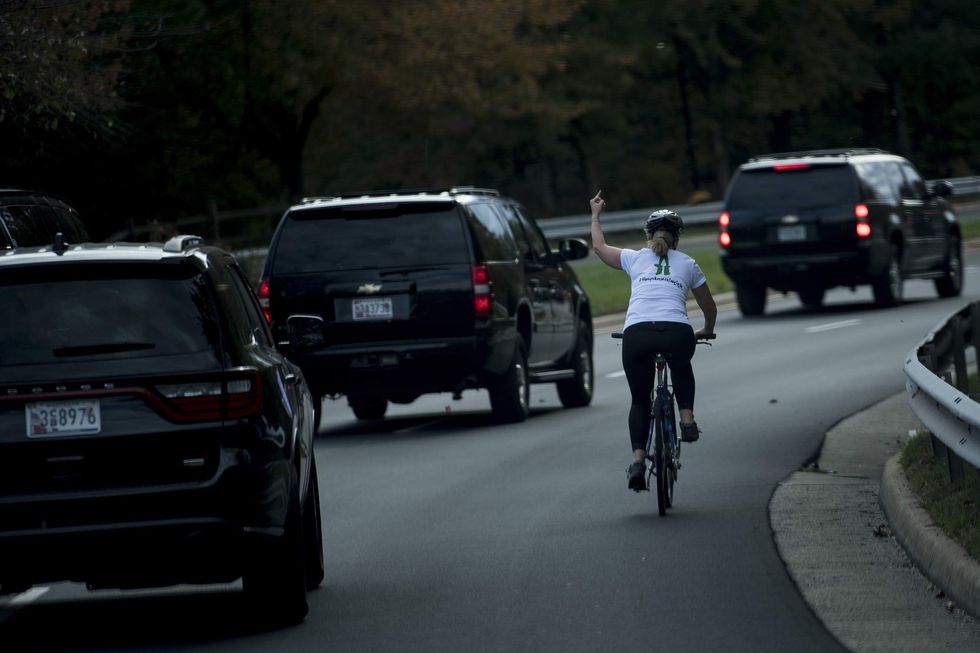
<point>941,559</point>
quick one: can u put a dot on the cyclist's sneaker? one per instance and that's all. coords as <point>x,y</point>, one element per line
<point>638,476</point>
<point>690,432</point>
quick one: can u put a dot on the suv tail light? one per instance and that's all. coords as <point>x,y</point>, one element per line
<point>482,291</point>
<point>263,295</point>
<point>862,227</point>
<point>783,167</point>
<point>724,238</point>
<point>236,394</point>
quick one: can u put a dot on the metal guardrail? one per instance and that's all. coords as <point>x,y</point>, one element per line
<point>946,408</point>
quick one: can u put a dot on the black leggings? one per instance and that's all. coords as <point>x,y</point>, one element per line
<point>641,343</point>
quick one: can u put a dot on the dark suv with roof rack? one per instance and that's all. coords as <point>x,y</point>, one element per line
<point>150,431</point>
<point>387,296</point>
<point>809,221</point>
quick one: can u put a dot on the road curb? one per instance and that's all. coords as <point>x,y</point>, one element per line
<point>941,559</point>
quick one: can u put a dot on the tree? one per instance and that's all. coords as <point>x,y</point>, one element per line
<point>60,63</point>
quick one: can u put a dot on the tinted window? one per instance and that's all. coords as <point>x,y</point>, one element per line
<point>811,187</point>
<point>513,221</point>
<point>914,187</point>
<point>27,224</point>
<point>116,312</point>
<point>359,237</point>
<point>69,225</point>
<point>535,239</point>
<point>243,315</point>
<point>879,180</point>
<point>492,235</point>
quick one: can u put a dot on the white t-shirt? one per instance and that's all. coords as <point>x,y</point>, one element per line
<point>659,285</point>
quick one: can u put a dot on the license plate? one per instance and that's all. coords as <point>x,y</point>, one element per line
<point>372,308</point>
<point>791,233</point>
<point>53,418</point>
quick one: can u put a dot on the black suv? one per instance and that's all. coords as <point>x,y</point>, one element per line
<point>809,221</point>
<point>150,431</point>
<point>29,219</point>
<point>386,296</point>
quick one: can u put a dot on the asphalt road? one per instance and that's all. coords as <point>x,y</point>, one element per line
<point>446,532</point>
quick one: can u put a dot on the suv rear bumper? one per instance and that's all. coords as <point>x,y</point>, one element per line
<point>406,367</point>
<point>145,536</point>
<point>826,270</point>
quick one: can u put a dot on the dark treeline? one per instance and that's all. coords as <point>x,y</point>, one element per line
<point>139,110</point>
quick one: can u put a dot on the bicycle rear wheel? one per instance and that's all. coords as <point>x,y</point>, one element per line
<point>660,470</point>
<point>670,456</point>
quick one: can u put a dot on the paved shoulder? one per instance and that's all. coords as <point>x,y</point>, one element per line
<point>833,536</point>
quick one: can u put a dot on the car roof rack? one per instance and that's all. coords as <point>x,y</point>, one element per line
<point>848,151</point>
<point>182,242</point>
<point>454,190</point>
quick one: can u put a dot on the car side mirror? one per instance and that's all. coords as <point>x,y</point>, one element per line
<point>305,332</point>
<point>942,188</point>
<point>572,249</point>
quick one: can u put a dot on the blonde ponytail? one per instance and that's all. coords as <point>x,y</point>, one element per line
<point>661,242</point>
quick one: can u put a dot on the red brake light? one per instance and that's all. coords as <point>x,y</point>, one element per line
<point>861,212</point>
<point>263,294</point>
<point>237,395</point>
<point>783,167</point>
<point>482,291</point>
<point>725,239</point>
<point>724,219</point>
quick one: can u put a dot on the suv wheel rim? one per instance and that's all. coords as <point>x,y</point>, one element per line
<point>586,370</point>
<point>521,385</point>
<point>895,279</point>
<point>956,267</point>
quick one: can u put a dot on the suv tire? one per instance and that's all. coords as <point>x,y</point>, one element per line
<point>275,577</point>
<point>751,299</point>
<point>811,297</point>
<point>951,283</point>
<point>577,391</point>
<point>510,395</point>
<point>368,407</point>
<point>313,532</point>
<point>887,286</point>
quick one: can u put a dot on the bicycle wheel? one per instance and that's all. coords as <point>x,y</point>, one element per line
<point>670,457</point>
<point>660,470</point>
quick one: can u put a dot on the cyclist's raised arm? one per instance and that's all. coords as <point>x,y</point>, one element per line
<point>606,253</point>
<point>702,294</point>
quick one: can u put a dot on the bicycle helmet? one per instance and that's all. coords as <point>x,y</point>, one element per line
<point>664,219</point>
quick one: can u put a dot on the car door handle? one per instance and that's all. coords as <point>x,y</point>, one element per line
<point>291,379</point>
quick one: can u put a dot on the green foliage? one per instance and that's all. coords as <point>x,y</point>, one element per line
<point>159,109</point>
<point>953,506</point>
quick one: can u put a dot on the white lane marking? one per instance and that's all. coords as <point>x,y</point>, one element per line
<point>832,325</point>
<point>616,375</point>
<point>29,596</point>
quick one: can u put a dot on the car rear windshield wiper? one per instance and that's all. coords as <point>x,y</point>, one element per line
<point>104,348</point>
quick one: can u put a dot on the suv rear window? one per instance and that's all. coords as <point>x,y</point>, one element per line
<point>821,185</point>
<point>355,237</point>
<point>89,313</point>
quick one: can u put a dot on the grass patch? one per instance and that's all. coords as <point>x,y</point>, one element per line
<point>609,289</point>
<point>970,229</point>
<point>954,507</point>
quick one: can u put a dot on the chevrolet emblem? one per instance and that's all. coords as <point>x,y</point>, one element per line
<point>790,219</point>
<point>368,289</point>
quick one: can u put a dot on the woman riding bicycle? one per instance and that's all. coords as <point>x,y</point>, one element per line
<point>657,321</point>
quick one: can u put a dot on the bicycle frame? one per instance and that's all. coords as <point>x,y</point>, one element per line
<point>666,445</point>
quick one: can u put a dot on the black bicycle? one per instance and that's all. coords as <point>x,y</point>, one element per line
<point>666,456</point>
